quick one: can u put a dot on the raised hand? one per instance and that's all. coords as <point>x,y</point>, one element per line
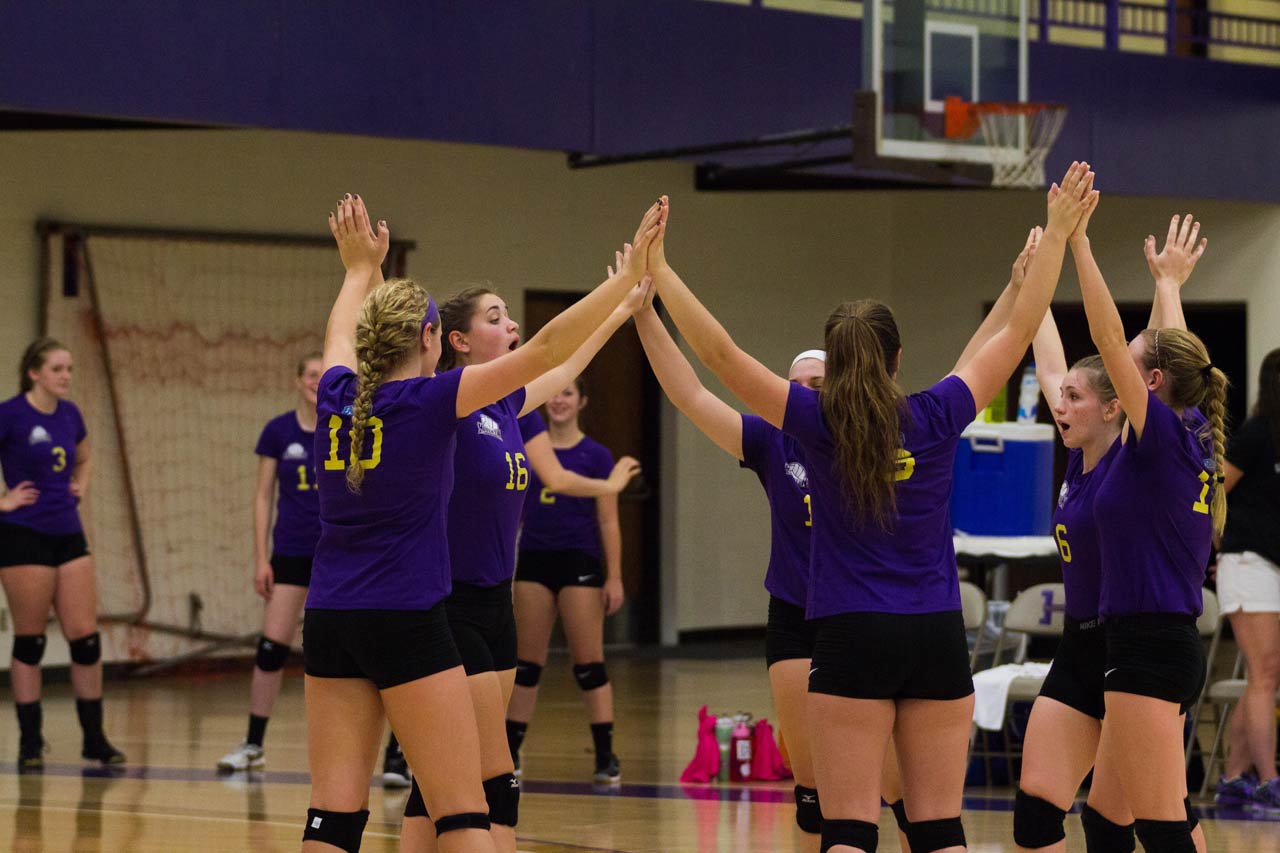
<point>1023,261</point>
<point>623,471</point>
<point>657,249</point>
<point>1068,201</point>
<point>23,494</point>
<point>359,243</point>
<point>1180,254</point>
<point>635,261</point>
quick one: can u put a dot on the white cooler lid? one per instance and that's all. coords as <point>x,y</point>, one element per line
<point>1009,431</point>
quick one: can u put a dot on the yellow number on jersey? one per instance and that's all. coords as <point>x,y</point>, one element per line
<point>333,463</point>
<point>905,465</point>
<point>59,459</point>
<point>303,485</point>
<point>808,504</point>
<point>1060,533</point>
<point>517,474</point>
<point>546,497</point>
<point>1201,506</point>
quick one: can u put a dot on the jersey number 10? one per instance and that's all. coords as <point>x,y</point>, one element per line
<point>333,463</point>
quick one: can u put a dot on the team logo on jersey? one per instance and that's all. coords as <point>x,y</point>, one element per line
<point>486,425</point>
<point>295,451</point>
<point>39,435</point>
<point>797,473</point>
<point>346,410</point>
<point>1062,496</point>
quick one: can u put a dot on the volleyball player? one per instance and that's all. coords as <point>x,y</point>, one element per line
<point>890,657</point>
<point>44,558</point>
<point>286,466</point>
<point>376,638</point>
<point>1155,512</point>
<point>570,564</point>
<point>484,516</point>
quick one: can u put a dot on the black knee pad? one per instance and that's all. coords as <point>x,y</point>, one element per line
<point>28,648</point>
<point>341,829</point>
<point>590,675</point>
<point>415,806</point>
<point>503,795</point>
<point>272,656</point>
<point>808,810</point>
<point>856,833</point>
<point>527,673</point>
<point>1164,836</point>
<point>899,810</point>
<point>1192,820</point>
<point>926,836</point>
<point>86,651</point>
<point>1103,836</point>
<point>1036,822</point>
<point>466,820</point>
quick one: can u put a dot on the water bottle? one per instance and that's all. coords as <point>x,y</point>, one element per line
<point>1028,395</point>
<point>996,410</point>
<point>724,737</point>
<point>740,750</point>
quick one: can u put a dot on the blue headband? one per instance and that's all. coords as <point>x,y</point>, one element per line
<point>432,317</point>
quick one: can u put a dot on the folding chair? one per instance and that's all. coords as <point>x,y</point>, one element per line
<point>973,604</point>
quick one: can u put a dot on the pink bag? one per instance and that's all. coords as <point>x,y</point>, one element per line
<point>766,759</point>
<point>706,760</point>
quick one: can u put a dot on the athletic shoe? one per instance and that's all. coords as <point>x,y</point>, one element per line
<point>395,770</point>
<point>31,754</point>
<point>609,773</point>
<point>1267,795</point>
<point>1236,791</point>
<point>103,752</point>
<point>246,756</point>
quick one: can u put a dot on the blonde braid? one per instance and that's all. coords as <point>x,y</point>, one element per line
<point>389,324</point>
<point>1216,408</point>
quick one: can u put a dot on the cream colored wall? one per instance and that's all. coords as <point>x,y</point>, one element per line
<point>770,265</point>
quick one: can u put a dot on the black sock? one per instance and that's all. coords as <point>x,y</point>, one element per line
<point>30,720</point>
<point>515,737</point>
<point>90,713</point>
<point>257,730</point>
<point>602,734</point>
<point>393,745</point>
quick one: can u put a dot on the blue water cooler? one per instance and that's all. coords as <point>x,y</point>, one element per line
<point>1003,480</point>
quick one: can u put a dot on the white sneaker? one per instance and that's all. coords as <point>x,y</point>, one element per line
<point>246,756</point>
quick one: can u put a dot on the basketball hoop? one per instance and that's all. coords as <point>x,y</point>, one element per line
<point>1018,135</point>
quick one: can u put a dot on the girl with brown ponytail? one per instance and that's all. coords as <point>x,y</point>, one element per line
<point>1156,512</point>
<point>376,640</point>
<point>890,658</point>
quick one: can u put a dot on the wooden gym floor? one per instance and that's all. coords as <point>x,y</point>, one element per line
<point>174,729</point>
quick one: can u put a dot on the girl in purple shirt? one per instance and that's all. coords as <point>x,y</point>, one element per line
<point>44,559</point>
<point>570,565</point>
<point>376,639</point>
<point>493,463</point>
<point>282,556</point>
<point>891,657</point>
<point>1156,512</point>
<point>1061,743</point>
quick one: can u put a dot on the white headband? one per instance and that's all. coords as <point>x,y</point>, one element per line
<point>817,354</point>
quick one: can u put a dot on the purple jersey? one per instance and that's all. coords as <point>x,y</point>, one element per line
<point>777,459</point>
<point>855,565</point>
<point>488,495</point>
<point>1076,534</point>
<point>1153,516</point>
<point>386,547</point>
<point>560,523</point>
<point>41,448</point>
<point>298,501</point>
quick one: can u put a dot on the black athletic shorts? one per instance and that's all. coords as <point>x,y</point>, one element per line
<point>294,571</point>
<point>22,546</point>
<point>891,656</point>
<point>1075,678</point>
<point>788,635</point>
<point>483,623</point>
<point>1155,654</point>
<point>557,569</point>
<point>387,647</point>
